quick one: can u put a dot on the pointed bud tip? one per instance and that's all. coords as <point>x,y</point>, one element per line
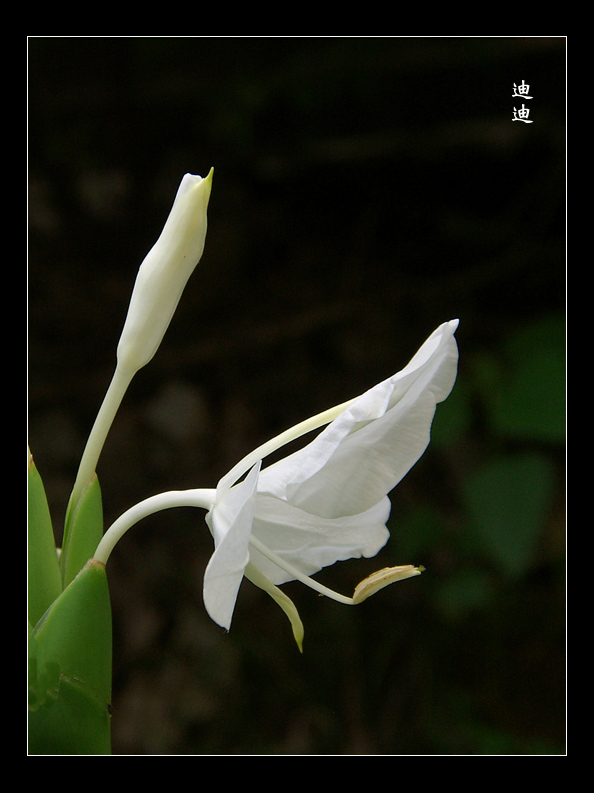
<point>206,181</point>
<point>206,184</point>
<point>208,178</point>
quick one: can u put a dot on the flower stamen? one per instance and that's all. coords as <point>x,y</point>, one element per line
<point>369,586</point>
<point>297,574</point>
<point>292,434</point>
<point>382,578</point>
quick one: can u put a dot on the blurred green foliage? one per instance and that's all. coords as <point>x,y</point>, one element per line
<point>509,496</point>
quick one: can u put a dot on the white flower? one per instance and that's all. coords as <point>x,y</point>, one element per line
<point>324,503</point>
<point>328,501</point>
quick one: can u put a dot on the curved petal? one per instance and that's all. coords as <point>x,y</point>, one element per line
<point>230,522</point>
<point>370,447</point>
<point>309,542</point>
<point>280,598</point>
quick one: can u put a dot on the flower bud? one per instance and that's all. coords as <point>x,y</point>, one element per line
<point>164,273</point>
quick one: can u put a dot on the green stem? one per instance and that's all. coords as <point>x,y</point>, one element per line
<point>88,464</point>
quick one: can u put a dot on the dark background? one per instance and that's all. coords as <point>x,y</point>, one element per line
<point>365,190</point>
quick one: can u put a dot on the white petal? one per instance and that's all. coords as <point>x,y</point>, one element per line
<point>256,577</point>
<point>230,522</point>
<point>367,450</point>
<point>309,542</point>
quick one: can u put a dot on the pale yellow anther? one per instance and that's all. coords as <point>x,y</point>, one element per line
<point>382,578</point>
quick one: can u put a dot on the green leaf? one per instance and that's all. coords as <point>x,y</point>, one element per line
<point>44,677</point>
<point>508,500</point>
<point>531,402</point>
<point>70,670</point>
<point>83,531</point>
<point>44,578</point>
<point>466,590</point>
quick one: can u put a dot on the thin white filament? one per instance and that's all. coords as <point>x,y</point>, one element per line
<point>285,437</point>
<point>297,574</point>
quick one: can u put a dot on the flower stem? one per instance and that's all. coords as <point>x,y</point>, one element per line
<point>109,407</point>
<point>173,498</point>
